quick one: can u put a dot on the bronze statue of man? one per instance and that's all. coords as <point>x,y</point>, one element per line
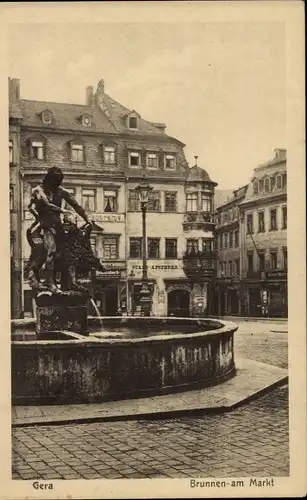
<point>45,205</point>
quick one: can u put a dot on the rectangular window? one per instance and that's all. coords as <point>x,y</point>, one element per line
<point>207,244</point>
<point>206,205</point>
<point>249,223</point>
<point>154,201</point>
<point>273,220</point>
<point>171,248</point>
<point>170,201</point>
<point>110,201</point>
<point>192,202</point>
<point>11,156</point>
<point>255,187</point>
<point>133,201</point>
<point>285,254</point>
<point>229,268</point>
<point>170,162</point>
<point>273,256</point>
<point>133,122</point>
<point>284,217</point>
<point>267,185</point>
<point>109,155</point>
<point>236,239</point>
<point>135,248</point>
<point>134,160</point>
<point>278,182</point>
<point>153,248</point>
<point>237,266</point>
<point>77,153</point>
<point>261,261</point>
<point>273,182</point>
<point>110,247</point>
<point>89,200</point>
<point>11,198</point>
<point>284,181</point>
<point>221,241</point>
<point>261,228</point>
<point>152,160</point>
<point>93,242</point>
<point>72,192</point>
<point>225,240</point>
<point>221,267</point>
<point>225,218</point>
<point>230,239</point>
<point>37,150</point>
<point>250,262</point>
<point>192,246</point>
<point>261,185</point>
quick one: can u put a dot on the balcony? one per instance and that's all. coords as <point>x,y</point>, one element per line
<point>199,264</point>
<point>198,222</point>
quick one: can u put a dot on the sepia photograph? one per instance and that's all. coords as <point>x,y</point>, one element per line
<point>148,252</point>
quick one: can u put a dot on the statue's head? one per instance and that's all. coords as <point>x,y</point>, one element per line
<point>53,178</point>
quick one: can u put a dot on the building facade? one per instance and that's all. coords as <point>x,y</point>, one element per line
<point>228,245</point>
<point>263,236</point>
<point>104,150</point>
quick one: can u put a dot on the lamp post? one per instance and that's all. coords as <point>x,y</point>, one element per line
<point>143,190</point>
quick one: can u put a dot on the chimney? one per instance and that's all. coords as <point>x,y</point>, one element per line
<point>100,94</point>
<point>14,89</point>
<point>89,96</point>
<point>280,154</point>
<point>159,126</point>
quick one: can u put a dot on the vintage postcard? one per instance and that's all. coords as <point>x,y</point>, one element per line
<point>153,250</point>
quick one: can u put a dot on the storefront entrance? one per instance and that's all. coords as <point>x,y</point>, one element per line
<point>106,298</point>
<point>178,303</point>
<point>255,302</point>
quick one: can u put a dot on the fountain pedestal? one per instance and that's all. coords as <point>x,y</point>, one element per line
<point>66,311</point>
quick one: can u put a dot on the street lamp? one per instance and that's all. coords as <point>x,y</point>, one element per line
<point>143,190</point>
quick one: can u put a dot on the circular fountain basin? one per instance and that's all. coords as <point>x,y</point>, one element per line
<point>120,358</point>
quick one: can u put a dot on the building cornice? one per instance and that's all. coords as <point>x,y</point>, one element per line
<point>263,201</point>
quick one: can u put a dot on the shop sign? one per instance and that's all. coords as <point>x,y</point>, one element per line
<point>154,266</point>
<point>277,275</point>
<point>112,273</point>
<point>107,217</point>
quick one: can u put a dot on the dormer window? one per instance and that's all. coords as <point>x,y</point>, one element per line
<point>77,153</point>
<point>255,187</point>
<point>267,185</point>
<point>152,160</point>
<point>134,159</point>
<point>37,148</point>
<point>170,162</point>
<point>133,122</point>
<point>46,117</point>
<point>109,155</point>
<point>86,120</point>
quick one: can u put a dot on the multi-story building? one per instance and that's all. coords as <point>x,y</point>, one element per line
<point>104,150</point>
<point>228,245</point>
<point>263,237</point>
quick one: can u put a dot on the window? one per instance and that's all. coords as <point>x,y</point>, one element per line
<point>110,247</point>
<point>230,239</point>
<point>261,228</point>
<point>284,181</point>
<point>192,199</point>
<point>72,192</point>
<point>153,201</point>
<point>273,182</point>
<point>11,198</point>
<point>152,160</point>
<point>170,201</point>
<point>225,240</point>
<point>225,217</point>
<point>255,187</point>
<point>170,162</point>
<point>249,223</point>
<point>135,250</point>
<point>171,248</point>
<point>267,185</point>
<point>207,245</point>
<point>153,249</point>
<point>273,260</point>
<point>221,241</point>
<point>192,246</point>
<point>284,217</point>
<point>134,160</point>
<point>236,239</point>
<point>273,220</point>
<point>261,185</point>
<point>229,268</point>
<point>221,267</point>
<point>206,204</point>
<point>77,153</point>
<point>93,242</point>
<point>11,155</point>
<point>278,183</point>
<point>250,262</point>
<point>37,150</point>
<point>89,200</point>
<point>285,254</point>
<point>110,201</point>
<point>133,122</point>
<point>133,201</point>
<point>261,261</point>
<point>237,267</point>
<point>109,155</point>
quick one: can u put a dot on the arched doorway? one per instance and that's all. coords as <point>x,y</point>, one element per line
<point>178,303</point>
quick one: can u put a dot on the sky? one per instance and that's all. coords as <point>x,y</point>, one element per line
<point>219,87</point>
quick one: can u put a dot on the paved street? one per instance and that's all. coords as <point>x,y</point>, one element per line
<point>249,441</point>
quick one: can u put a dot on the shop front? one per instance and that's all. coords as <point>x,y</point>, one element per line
<point>268,297</point>
<point>109,292</point>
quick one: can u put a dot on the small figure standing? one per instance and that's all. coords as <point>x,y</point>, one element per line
<point>47,232</point>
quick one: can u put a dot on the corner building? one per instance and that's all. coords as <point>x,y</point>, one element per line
<point>104,149</point>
